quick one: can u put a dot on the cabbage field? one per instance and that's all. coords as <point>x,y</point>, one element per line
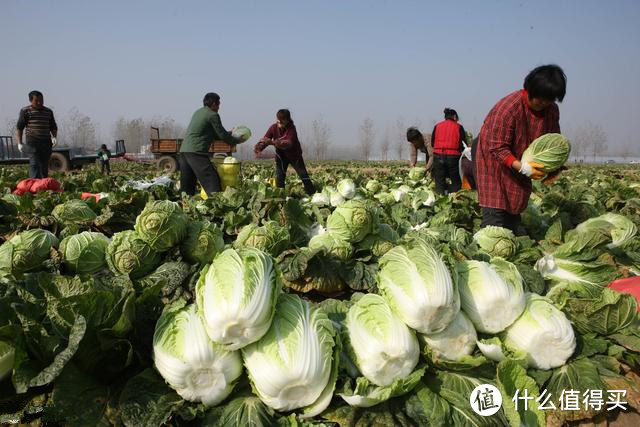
<point>374,302</point>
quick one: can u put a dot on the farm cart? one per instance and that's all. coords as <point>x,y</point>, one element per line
<point>62,158</point>
<point>165,151</point>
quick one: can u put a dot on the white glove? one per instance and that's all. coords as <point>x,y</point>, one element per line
<point>20,146</point>
<point>54,141</point>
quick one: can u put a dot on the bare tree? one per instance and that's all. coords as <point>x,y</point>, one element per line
<point>9,128</point>
<point>79,131</point>
<point>367,138</point>
<point>626,152</point>
<point>135,133</point>
<point>590,139</point>
<point>320,139</point>
<point>384,145</point>
<point>400,138</point>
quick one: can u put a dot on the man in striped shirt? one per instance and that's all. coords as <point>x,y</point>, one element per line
<point>39,126</point>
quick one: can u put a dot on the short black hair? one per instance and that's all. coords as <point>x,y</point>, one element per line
<point>34,93</point>
<point>450,113</point>
<point>546,82</point>
<point>284,113</point>
<point>103,146</point>
<point>413,133</point>
<point>210,99</point>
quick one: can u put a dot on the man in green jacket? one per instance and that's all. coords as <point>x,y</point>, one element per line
<point>195,161</point>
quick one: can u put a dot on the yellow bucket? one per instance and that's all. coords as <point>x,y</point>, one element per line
<point>229,173</point>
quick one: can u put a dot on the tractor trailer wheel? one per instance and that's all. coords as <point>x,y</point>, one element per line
<point>167,164</point>
<point>58,162</point>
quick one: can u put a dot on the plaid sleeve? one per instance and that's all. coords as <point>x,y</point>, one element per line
<point>501,133</point>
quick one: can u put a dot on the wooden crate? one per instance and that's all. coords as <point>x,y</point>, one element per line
<point>221,147</point>
<point>165,145</point>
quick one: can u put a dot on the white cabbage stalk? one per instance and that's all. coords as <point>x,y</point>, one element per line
<point>320,199</point>
<point>192,364</point>
<point>416,283</point>
<point>386,349</point>
<point>347,188</point>
<point>492,349</point>
<point>543,332</point>
<point>456,341</point>
<point>566,270</point>
<point>492,295</point>
<point>291,365</point>
<point>236,297</point>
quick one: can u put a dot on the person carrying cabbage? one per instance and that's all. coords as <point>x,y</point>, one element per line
<point>284,137</point>
<point>503,180</point>
<point>417,140</point>
<point>447,139</point>
<point>194,158</point>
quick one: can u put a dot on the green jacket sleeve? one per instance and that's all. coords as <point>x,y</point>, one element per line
<point>220,131</point>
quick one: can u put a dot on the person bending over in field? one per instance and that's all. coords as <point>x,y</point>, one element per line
<point>418,143</point>
<point>504,183</point>
<point>283,136</point>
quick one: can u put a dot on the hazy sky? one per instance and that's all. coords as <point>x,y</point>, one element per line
<point>346,60</point>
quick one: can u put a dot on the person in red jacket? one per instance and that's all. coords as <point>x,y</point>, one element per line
<point>447,140</point>
<point>504,183</point>
<point>284,137</point>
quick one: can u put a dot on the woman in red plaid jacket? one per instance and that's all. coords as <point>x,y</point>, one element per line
<point>504,183</point>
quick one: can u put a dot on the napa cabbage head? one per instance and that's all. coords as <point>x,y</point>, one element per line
<point>84,253</point>
<point>204,240</point>
<point>291,366</point>
<point>332,245</point>
<point>192,364</point>
<point>236,296</point>
<point>26,251</point>
<point>320,199</point>
<point>456,341</point>
<point>416,283</point>
<point>352,221</point>
<point>492,295</point>
<point>543,332</point>
<point>74,212</point>
<point>380,242</point>
<point>621,228</point>
<point>162,224</point>
<point>129,254</point>
<point>347,188</point>
<point>496,241</point>
<point>271,237</point>
<point>552,150</point>
<point>241,133</point>
<point>373,186</point>
<point>417,173</point>
<point>385,348</point>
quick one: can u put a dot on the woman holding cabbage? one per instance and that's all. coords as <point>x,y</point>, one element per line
<point>283,135</point>
<point>502,176</point>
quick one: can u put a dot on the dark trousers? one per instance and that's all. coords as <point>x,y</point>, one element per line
<point>283,162</point>
<point>105,166</point>
<point>502,218</point>
<point>196,167</point>
<point>446,166</point>
<point>39,153</point>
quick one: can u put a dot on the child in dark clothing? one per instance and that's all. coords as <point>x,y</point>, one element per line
<point>103,155</point>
